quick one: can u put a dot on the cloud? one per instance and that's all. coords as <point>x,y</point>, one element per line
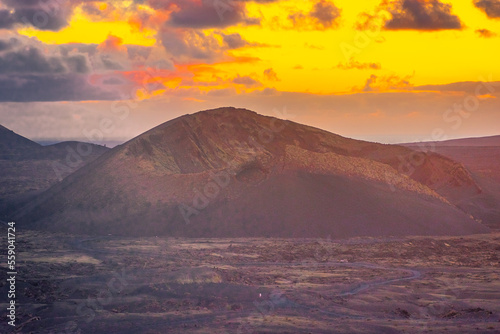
<point>112,43</point>
<point>110,64</point>
<point>113,81</point>
<point>234,41</point>
<point>29,73</point>
<point>246,81</point>
<point>77,64</point>
<point>192,44</point>
<point>203,14</point>
<point>369,82</point>
<point>139,53</point>
<point>187,44</point>
<point>490,7</point>
<point>6,45</point>
<point>42,87</point>
<point>271,75</point>
<point>426,15</point>
<point>324,15</point>
<point>110,55</point>
<point>43,15</point>
<point>30,59</point>
<point>385,83</point>
<point>353,64</point>
<point>486,33</point>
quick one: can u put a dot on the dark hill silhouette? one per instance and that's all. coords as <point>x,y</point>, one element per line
<point>29,168</point>
<point>13,145</point>
<point>232,172</point>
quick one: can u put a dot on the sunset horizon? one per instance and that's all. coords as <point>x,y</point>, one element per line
<point>384,71</point>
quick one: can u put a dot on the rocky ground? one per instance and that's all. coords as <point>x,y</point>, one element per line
<point>76,284</point>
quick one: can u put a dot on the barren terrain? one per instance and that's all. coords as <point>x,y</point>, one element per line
<point>74,284</point>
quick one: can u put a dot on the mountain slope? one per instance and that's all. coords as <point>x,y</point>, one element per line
<point>29,168</point>
<point>13,145</point>
<point>481,156</point>
<point>232,172</point>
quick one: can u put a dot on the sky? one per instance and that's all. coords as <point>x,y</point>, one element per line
<point>381,70</point>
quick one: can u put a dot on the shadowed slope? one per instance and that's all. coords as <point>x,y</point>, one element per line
<point>482,157</point>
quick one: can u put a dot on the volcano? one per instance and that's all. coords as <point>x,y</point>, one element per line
<point>231,172</point>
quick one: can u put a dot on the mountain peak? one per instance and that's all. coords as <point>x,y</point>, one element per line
<point>224,111</point>
<point>233,172</point>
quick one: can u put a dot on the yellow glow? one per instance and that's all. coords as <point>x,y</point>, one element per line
<point>307,59</point>
<point>83,30</point>
<point>436,57</point>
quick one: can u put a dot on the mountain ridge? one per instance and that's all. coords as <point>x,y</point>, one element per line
<point>168,173</point>
<point>29,168</point>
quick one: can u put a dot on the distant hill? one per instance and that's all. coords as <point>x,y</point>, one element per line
<point>481,156</point>
<point>29,168</point>
<point>231,172</point>
<point>463,142</point>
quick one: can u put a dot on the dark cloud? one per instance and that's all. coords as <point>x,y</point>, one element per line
<point>182,34</point>
<point>19,58</point>
<point>201,14</point>
<point>485,33</point>
<point>8,44</point>
<point>110,64</point>
<point>247,81</point>
<point>190,44</point>
<point>43,87</point>
<point>422,15</point>
<point>490,7</point>
<point>41,14</point>
<point>204,14</point>
<point>77,64</point>
<point>324,15</point>
<point>66,49</point>
<point>234,41</point>
<point>30,60</point>
<point>6,19</point>
<point>29,74</point>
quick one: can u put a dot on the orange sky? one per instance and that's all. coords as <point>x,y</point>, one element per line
<point>381,70</point>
